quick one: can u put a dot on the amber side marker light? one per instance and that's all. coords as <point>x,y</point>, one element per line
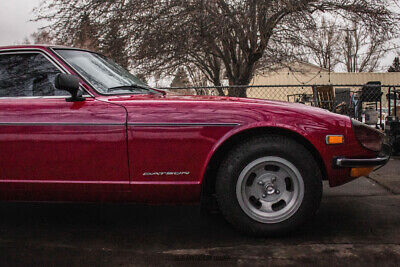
<point>334,139</point>
<point>358,172</point>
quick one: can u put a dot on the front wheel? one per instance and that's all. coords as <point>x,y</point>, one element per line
<point>269,185</point>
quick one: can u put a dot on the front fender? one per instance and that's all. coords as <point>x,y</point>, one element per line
<point>249,129</point>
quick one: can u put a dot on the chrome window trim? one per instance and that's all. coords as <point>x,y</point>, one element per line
<point>61,68</point>
<point>34,97</point>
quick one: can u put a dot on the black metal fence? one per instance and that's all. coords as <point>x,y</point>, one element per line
<point>371,102</point>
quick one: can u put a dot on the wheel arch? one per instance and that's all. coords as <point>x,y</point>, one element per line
<point>218,154</point>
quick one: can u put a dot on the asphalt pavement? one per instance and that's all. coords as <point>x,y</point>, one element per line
<point>358,224</point>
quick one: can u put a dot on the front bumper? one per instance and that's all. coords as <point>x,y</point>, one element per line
<point>382,159</point>
<point>359,163</point>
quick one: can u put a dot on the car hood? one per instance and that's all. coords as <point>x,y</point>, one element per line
<point>200,99</point>
<point>218,103</point>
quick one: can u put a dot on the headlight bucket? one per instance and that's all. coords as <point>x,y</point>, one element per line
<point>368,137</point>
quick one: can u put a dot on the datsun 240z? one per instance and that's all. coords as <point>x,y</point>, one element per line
<point>75,126</point>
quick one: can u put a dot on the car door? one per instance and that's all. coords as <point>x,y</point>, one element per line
<point>51,149</point>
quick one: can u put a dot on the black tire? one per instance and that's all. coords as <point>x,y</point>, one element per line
<point>251,150</point>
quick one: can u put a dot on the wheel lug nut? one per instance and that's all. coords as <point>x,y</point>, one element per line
<point>277,191</point>
<point>260,183</point>
<point>264,196</point>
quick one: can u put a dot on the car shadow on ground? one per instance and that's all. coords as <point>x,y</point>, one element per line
<point>340,219</point>
<point>359,230</point>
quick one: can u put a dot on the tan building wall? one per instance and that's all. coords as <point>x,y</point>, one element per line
<point>311,75</point>
<point>310,78</point>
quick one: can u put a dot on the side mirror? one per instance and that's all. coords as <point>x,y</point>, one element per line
<point>69,83</point>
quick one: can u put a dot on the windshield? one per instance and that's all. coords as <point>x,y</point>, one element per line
<point>105,75</point>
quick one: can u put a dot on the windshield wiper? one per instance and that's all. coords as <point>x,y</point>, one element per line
<point>129,88</point>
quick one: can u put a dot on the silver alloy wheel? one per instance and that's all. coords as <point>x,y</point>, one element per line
<point>270,189</point>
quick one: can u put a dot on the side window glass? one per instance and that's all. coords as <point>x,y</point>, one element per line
<point>27,74</point>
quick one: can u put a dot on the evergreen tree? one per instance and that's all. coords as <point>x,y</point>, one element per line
<point>395,66</point>
<point>181,79</point>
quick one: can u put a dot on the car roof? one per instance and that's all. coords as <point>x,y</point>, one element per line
<point>38,46</point>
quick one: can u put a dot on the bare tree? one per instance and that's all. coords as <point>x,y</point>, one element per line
<point>215,35</point>
<point>362,48</point>
<point>85,36</point>
<point>322,44</point>
<point>357,47</point>
<point>77,24</point>
<point>196,77</point>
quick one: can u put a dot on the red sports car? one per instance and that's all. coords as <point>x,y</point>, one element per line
<point>75,126</point>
